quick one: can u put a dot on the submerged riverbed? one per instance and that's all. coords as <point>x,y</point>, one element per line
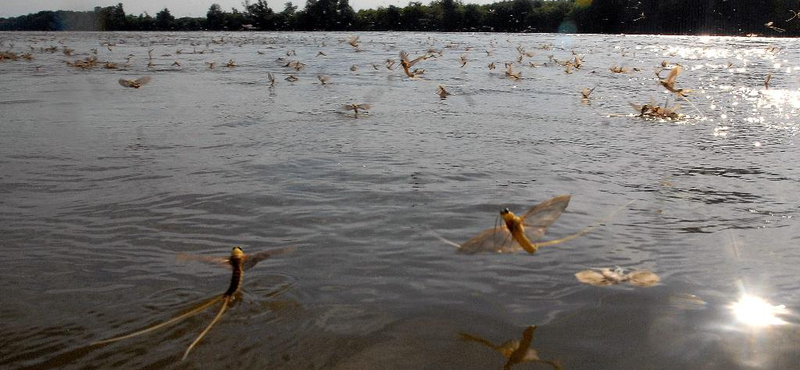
<point>104,186</point>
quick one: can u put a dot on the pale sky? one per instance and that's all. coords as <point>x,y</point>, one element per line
<point>178,8</point>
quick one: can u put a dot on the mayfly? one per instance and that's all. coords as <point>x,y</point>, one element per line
<point>354,42</point>
<point>137,83</point>
<point>407,64</point>
<point>653,110</point>
<point>356,108</point>
<point>516,351</point>
<point>238,262</point>
<point>443,93</point>
<point>607,276</point>
<point>669,82</point>
<point>510,72</point>
<point>587,92</point>
<point>518,232</point>
<point>618,69</point>
<point>771,26</point>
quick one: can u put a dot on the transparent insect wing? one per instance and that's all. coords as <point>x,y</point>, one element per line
<point>219,261</point>
<point>673,74</point>
<point>143,80</point>
<point>643,278</point>
<point>474,338</point>
<point>124,83</point>
<point>497,239</point>
<point>253,259</point>
<point>417,59</point>
<point>593,277</point>
<point>538,218</point>
<point>404,56</point>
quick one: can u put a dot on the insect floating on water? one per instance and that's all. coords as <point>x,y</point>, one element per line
<point>355,107</point>
<point>607,276</point>
<point>238,262</point>
<point>137,83</point>
<point>517,351</point>
<point>518,232</point>
<point>586,93</point>
<point>407,64</point>
<point>442,92</point>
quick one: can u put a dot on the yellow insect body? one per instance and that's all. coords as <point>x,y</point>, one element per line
<point>517,232</point>
<point>517,229</point>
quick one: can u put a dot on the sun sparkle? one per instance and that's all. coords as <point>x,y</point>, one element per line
<point>756,312</point>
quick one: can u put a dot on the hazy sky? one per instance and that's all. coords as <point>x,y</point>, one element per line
<point>178,8</point>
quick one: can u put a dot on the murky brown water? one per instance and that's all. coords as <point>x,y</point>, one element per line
<point>102,187</point>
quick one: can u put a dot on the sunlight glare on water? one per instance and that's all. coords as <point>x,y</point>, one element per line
<point>755,312</point>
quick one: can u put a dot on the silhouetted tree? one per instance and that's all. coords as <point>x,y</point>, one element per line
<point>730,17</point>
<point>345,14</point>
<point>165,20</point>
<point>215,18</point>
<point>260,14</point>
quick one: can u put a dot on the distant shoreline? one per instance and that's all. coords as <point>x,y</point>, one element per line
<point>404,31</point>
<point>738,18</point>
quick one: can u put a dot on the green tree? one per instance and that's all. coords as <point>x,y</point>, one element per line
<point>215,18</point>
<point>260,14</point>
<point>345,14</point>
<point>110,18</point>
<point>165,20</point>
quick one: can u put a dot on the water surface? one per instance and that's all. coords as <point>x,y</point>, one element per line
<point>102,187</point>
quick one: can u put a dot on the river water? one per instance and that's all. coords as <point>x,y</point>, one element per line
<point>103,187</point>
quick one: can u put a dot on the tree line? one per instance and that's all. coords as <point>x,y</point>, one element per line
<point>711,17</point>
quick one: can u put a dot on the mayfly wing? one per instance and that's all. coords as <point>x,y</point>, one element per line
<point>475,338</point>
<point>542,215</point>
<point>124,82</point>
<point>143,80</point>
<point>497,239</point>
<point>219,261</point>
<point>404,56</point>
<point>642,278</point>
<point>417,59</point>
<point>364,106</point>
<point>592,277</point>
<point>673,74</point>
<point>253,259</point>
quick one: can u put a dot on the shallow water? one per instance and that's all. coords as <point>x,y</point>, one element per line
<point>102,187</point>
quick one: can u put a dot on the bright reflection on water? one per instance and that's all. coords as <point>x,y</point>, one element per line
<point>101,187</point>
<point>756,312</point>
